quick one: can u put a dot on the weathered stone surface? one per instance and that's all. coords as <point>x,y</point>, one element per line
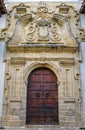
<point>42,36</point>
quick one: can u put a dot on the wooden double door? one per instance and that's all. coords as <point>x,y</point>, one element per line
<point>42,98</point>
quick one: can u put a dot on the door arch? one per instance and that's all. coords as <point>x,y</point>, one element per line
<point>42,97</point>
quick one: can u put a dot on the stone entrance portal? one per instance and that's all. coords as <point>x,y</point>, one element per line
<point>41,37</point>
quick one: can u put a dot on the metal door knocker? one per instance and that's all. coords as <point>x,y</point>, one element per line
<point>37,94</point>
<point>46,94</point>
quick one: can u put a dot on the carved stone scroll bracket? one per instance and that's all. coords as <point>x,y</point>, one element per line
<point>82,34</point>
<point>8,76</point>
<point>4,35</point>
<point>77,76</point>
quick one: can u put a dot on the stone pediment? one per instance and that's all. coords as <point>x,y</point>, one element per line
<point>40,25</point>
<point>42,29</point>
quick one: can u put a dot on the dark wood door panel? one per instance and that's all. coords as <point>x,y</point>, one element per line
<point>50,86</point>
<point>34,103</point>
<point>35,94</point>
<point>35,86</point>
<point>36,78</point>
<point>43,94</point>
<point>42,97</point>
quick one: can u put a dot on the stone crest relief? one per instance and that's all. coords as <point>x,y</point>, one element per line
<point>43,29</point>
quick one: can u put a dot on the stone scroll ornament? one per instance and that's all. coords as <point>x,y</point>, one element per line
<point>43,30</point>
<point>30,34</point>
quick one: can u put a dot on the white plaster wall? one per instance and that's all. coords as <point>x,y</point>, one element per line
<point>2,65</point>
<point>2,21</point>
<point>83,75</point>
<point>82,20</point>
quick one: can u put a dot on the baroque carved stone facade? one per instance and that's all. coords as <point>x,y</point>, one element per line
<point>46,35</point>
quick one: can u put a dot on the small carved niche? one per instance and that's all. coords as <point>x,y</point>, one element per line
<point>21,9</point>
<point>63,9</point>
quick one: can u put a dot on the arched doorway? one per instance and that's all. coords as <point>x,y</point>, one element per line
<point>42,98</point>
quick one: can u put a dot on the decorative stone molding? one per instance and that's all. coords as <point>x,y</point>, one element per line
<point>69,100</point>
<point>71,112</point>
<point>14,111</point>
<point>67,62</point>
<point>18,61</point>
<point>35,65</point>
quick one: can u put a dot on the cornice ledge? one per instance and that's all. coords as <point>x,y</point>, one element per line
<point>43,47</point>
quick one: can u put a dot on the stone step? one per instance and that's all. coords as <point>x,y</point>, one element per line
<point>44,128</point>
<point>64,128</point>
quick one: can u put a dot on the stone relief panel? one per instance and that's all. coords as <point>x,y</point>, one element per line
<point>42,30</point>
<point>68,79</point>
<point>14,108</point>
